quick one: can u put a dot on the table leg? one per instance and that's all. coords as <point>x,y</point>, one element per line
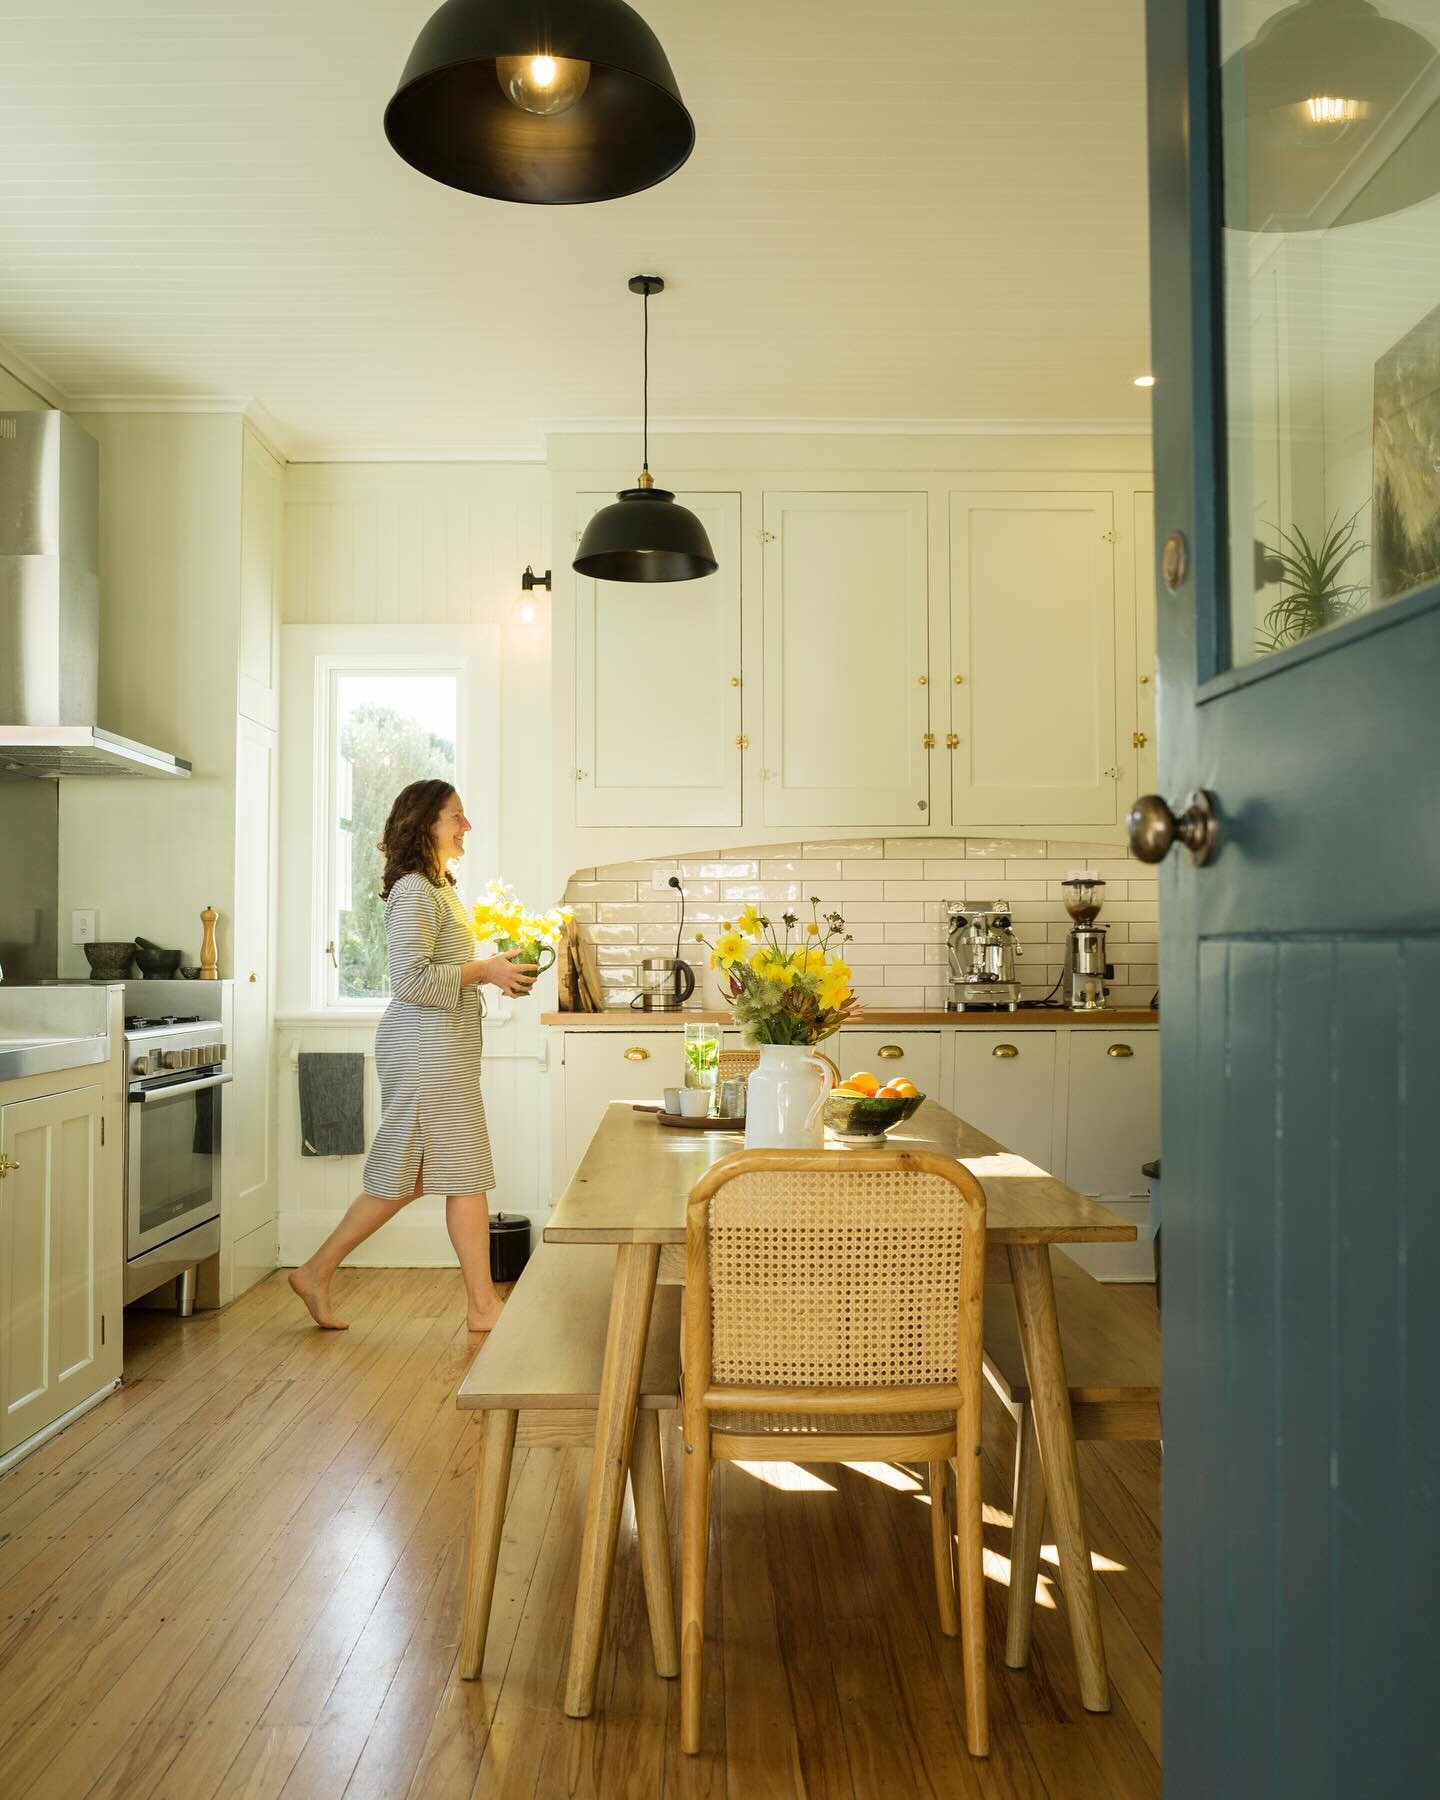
<point>630,1304</point>
<point>1055,1432</point>
<point>492,1486</point>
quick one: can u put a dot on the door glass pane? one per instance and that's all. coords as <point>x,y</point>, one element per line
<point>1331,241</point>
<point>390,730</point>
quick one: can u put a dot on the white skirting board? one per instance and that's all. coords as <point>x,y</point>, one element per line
<point>414,1239</point>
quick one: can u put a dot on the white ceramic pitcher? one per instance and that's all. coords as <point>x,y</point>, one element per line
<point>785,1099</point>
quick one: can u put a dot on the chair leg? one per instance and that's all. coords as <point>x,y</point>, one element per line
<point>1027,1529</point>
<point>969,1544</point>
<point>694,1555</point>
<point>942,1547</point>
<point>492,1486</point>
<point>647,1484</point>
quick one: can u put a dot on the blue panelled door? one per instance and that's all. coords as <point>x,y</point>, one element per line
<point>1295,253</point>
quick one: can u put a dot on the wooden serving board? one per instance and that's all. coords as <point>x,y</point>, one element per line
<point>678,1122</point>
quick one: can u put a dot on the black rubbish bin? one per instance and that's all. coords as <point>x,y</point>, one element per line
<point>509,1245</point>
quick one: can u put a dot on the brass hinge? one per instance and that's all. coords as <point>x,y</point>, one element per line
<point>742,743</point>
<point>1107,537</point>
<point>580,775</point>
<point>928,740</point>
<point>766,537</point>
<point>1138,740</point>
<point>952,742</point>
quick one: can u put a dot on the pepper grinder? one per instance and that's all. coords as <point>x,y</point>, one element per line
<point>209,958</point>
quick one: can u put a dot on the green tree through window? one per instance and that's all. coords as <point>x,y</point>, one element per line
<point>385,751</point>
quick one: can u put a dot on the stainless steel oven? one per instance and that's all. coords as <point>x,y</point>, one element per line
<point>178,1073</point>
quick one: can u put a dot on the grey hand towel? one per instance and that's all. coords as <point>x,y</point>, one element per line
<point>332,1103</point>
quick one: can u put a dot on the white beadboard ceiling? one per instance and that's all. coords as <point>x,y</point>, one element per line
<point>931,210</point>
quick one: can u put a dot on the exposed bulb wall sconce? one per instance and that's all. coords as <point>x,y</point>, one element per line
<point>526,611</point>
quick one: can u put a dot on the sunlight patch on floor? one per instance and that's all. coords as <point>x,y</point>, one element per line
<point>788,1476</point>
<point>997,1568</point>
<point>887,1473</point>
<point>1048,1553</point>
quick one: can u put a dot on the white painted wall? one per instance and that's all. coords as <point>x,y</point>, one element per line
<point>150,855</point>
<point>429,544</point>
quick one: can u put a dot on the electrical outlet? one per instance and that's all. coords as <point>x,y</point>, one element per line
<point>83,926</point>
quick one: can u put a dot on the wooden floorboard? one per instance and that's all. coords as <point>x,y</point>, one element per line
<point>241,1576</point>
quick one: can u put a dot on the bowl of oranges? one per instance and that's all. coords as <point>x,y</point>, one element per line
<point>862,1106</point>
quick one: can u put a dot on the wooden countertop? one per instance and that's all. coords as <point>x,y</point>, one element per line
<point>1031,1018</point>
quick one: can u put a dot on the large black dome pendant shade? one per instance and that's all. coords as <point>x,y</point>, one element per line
<point>547,102</point>
<point>645,536</point>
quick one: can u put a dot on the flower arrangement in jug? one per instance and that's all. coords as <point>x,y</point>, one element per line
<point>502,919</point>
<point>785,989</point>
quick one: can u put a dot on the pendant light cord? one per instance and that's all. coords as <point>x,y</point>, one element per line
<point>645,391</point>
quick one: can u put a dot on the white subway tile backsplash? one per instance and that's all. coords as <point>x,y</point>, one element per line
<point>893,894</point>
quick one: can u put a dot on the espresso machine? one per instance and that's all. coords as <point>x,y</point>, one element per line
<point>1085,965</point>
<point>982,956</point>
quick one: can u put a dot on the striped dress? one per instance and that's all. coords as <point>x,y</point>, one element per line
<point>427,1052</point>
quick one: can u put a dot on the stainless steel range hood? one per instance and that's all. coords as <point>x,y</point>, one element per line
<point>50,609</point>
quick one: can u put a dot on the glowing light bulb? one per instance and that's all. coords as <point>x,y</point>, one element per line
<point>544,85</point>
<point>1144,381</point>
<point>1327,109</point>
<point>525,612</point>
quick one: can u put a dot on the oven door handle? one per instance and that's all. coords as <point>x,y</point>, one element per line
<point>149,1096</point>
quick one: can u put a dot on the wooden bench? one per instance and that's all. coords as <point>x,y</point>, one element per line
<point>1112,1366</point>
<point>536,1380</point>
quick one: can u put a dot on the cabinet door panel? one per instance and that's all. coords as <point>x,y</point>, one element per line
<point>1114,1113</point>
<point>1032,623</point>
<point>657,702</point>
<point>49,1307</point>
<point>249,1100</point>
<point>1143,538</point>
<point>918,1061</point>
<point>846,660</point>
<point>1010,1097</point>
<point>599,1070</point>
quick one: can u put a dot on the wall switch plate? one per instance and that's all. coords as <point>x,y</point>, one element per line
<point>83,926</point>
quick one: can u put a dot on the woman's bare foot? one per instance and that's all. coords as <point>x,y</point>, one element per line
<point>487,1320</point>
<point>316,1295</point>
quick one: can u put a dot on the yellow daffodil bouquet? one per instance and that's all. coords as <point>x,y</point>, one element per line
<point>785,986</point>
<point>504,921</point>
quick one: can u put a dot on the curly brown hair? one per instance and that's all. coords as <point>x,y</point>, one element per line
<point>406,843</point>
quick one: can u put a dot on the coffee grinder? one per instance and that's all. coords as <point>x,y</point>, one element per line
<point>1085,963</point>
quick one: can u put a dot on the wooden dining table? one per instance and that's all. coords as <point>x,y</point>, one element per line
<point>631,1190</point>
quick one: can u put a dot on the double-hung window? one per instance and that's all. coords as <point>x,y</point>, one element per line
<point>368,710</point>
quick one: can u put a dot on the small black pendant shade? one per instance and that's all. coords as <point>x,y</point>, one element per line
<point>607,120</point>
<point>645,536</point>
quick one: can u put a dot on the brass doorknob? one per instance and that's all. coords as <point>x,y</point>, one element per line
<point>1153,828</point>
<point>7,1166</point>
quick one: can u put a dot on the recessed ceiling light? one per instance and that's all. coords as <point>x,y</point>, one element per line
<point>1144,381</point>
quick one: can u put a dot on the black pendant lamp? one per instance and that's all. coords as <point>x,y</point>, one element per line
<point>1341,120</point>
<point>645,536</point>
<point>548,102</point>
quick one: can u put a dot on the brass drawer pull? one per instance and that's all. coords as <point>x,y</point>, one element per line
<point>1119,1050</point>
<point>889,1052</point>
<point>1004,1050</point>
<point>636,1054</point>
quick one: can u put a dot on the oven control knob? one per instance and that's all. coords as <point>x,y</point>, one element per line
<point>140,1066</point>
<point>173,1059</point>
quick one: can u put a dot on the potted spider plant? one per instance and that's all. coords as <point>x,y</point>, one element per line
<point>1314,595</point>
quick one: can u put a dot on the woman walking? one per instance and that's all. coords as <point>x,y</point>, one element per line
<point>432,1136</point>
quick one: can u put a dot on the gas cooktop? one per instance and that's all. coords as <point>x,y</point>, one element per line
<point>138,1021</point>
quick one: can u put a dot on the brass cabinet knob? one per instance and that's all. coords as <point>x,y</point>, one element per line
<point>1153,828</point>
<point>1138,740</point>
<point>889,1052</point>
<point>1004,1050</point>
<point>636,1053</point>
<point>1119,1050</point>
<point>254,976</point>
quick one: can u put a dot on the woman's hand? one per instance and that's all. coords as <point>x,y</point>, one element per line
<point>504,972</point>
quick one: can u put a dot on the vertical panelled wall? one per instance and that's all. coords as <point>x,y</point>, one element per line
<point>429,544</point>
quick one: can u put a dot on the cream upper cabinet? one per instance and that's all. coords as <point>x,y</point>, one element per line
<point>56,1248</point>
<point>1033,652</point>
<point>1142,536</point>
<point>658,695</point>
<point>846,661</point>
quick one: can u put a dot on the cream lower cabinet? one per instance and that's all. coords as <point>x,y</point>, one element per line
<point>888,1055</point>
<point>1112,1126</point>
<point>601,1066</point>
<point>1005,1084</point>
<point>60,1257</point>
